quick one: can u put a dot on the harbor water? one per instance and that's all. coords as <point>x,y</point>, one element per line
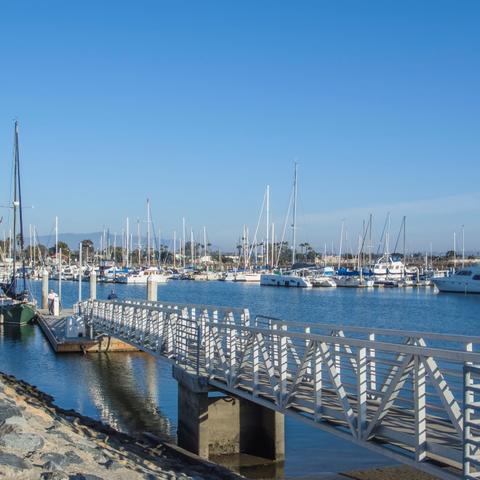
<point>134,392</point>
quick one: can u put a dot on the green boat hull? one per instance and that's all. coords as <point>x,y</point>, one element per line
<point>18,313</point>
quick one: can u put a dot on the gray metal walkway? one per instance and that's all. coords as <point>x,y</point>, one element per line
<point>412,396</point>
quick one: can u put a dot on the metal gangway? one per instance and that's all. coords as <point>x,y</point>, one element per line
<point>412,396</point>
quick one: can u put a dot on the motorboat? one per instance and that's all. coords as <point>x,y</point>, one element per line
<point>290,278</point>
<point>249,277</point>
<point>142,276</point>
<point>391,266</point>
<point>466,280</point>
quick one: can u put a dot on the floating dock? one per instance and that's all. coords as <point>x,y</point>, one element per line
<point>55,330</point>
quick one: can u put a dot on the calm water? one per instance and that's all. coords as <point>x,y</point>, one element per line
<point>134,392</point>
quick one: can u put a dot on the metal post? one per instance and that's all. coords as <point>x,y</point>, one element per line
<point>45,289</point>
<point>420,410</point>
<point>151,289</point>
<point>361,391</point>
<point>372,367</point>
<point>318,383</point>
<point>468,398</point>
<point>283,364</point>
<point>93,285</point>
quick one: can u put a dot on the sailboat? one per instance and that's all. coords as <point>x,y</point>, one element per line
<point>142,275</point>
<point>294,277</point>
<point>390,269</point>
<point>359,278</point>
<point>15,306</point>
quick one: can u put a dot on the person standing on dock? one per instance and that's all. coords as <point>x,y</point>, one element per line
<point>51,302</point>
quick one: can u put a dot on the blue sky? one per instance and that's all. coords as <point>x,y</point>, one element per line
<point>199,105</point>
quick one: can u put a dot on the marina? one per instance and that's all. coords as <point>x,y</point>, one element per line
<point>240,240</point>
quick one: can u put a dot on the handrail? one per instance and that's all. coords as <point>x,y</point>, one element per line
<point>451,337</point>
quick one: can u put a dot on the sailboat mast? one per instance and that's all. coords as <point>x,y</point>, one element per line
<point>294,224</point>
<point>387,237</point>
<point>138,240</point>
<point>158,246</point>
<point>404,245</point>
<point>247,249</point>
<point>174,248</point>
<point>148,232</point>
<point>370,241</point>
<point>30,243</point>
<point>15,205</point>
<point>22,242</point>
<point>56,238</point>
<point>268,226</point>
<point>341,244</point>
<point>192,252</point>
<point>454,251</point>
<point>127,242</point>
<point>361,252</point>
<point>80,261</point>
<point>273,244</point>
<point>205,243</point>
<point>34,245</point>
<point>183,241</point>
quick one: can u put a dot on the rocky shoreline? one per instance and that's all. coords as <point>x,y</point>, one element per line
<point>39,440</point>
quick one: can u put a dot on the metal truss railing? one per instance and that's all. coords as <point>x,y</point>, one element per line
<point>408,395</point>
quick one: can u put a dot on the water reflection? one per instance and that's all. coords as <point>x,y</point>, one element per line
<point>16,333</point>
<point>124,389</point>
<point>251,467</point>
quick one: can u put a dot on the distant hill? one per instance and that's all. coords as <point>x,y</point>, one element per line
<point>71,239</point>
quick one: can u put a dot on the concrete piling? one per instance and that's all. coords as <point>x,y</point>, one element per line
<point>93,285</point>
<point>45,289</point>
<point>225,425</point>
<point>151,289</point>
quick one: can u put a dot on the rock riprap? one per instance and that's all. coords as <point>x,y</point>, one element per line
<point>39,440</point>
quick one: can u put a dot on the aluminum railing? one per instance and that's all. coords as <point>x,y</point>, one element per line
<point>404,394</point>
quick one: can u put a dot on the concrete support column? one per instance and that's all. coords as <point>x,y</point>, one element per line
<point>93,285</point>
<point>45,289</point>
<point>221,424</point>
<point>151,289</point>
<point>192,432</point>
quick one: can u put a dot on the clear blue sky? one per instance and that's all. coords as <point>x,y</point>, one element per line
<point>198,105</point>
